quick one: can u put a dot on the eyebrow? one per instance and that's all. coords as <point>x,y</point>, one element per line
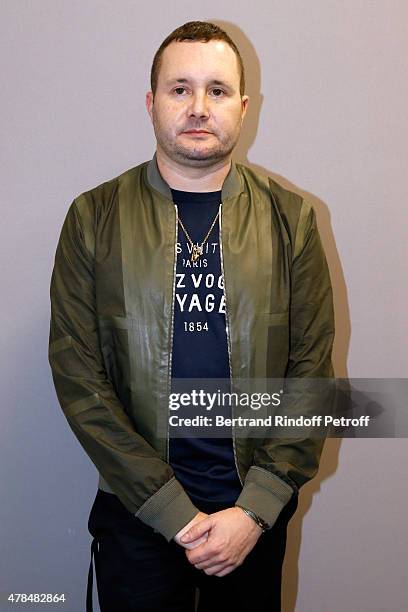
<point>213,82</point>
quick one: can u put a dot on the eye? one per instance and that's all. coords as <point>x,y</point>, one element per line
<point>179,90</point>
<point>217,92</point>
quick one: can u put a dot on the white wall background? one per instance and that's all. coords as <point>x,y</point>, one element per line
<point>328,86</point>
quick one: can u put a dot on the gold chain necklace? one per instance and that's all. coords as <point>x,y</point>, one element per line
<point>196,250</point>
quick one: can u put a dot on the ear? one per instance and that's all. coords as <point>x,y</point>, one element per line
<point>149,103</point>
<point>244,106</point>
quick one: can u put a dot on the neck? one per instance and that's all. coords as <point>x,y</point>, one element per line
<point>186,178</point>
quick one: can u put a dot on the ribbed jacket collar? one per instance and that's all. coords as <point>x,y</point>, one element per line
<point>232,185</point>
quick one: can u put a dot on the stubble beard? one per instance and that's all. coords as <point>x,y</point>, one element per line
<point>195,155</point>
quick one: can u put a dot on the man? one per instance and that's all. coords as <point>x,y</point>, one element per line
<point>188,266</point>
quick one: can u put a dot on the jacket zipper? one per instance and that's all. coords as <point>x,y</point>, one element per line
<point>228,340</point>
<point>171,334</point>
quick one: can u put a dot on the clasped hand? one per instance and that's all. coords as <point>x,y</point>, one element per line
<point>218,543</point>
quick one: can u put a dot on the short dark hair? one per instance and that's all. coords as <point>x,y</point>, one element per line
<point>201,31</point>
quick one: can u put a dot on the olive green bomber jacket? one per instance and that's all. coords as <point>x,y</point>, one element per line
<point>112,300</point>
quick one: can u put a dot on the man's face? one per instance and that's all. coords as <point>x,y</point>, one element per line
<point>197,111</point>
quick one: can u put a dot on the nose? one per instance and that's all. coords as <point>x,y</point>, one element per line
<point>198,105</point>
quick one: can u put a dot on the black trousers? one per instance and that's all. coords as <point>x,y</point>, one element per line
<point>138,570</point>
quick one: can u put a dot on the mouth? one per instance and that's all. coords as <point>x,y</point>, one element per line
<point>196,132</point>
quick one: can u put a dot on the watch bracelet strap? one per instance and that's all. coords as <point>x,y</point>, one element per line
<point>264,526</point>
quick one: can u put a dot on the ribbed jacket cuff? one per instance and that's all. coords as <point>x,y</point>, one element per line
<point>168,510</point>
<point>264,493</point>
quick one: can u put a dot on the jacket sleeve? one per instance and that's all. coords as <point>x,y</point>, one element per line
<point>144,483</point>
<point>282,465</point>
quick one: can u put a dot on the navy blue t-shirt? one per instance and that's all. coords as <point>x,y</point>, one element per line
<point>204,466</point>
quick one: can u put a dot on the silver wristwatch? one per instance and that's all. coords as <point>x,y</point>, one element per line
<point>262,524</point>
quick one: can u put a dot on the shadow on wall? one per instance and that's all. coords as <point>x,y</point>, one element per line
<point>329,459</point>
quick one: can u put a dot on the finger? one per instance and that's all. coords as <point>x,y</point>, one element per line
<point>210,571</point>
<point>206,554</point>
<point>196,531</point>
<point>219,570</point>
<point>225,571</point>
<point>200,555</point>
<point>194,543</point>
<point>210,562</point>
